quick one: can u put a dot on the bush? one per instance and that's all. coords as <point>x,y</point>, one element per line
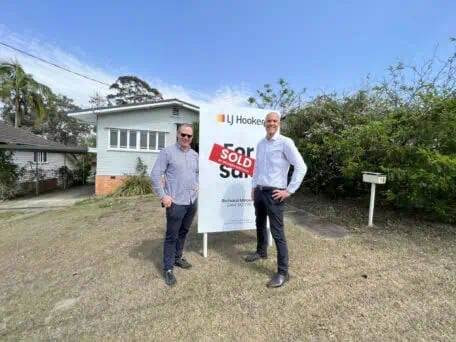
<point>136,185</point>
<point>9,175</point>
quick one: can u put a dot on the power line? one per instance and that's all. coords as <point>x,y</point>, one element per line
<point>53,64</point>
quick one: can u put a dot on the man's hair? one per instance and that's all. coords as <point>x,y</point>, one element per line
<point>185,125</point>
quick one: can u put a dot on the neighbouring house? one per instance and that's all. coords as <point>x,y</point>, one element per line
<point>127,132</point>
<point>38,156</point>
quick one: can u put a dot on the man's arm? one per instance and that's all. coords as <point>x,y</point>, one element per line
<point>300,168</point>
<point>157,172</point>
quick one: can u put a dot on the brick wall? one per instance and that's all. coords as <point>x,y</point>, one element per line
<point>105,185</point>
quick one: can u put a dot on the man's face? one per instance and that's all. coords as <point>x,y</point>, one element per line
<point>272,124</point>
<point>184,136</point>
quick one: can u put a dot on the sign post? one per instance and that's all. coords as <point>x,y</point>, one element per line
<point>373,178</point>
<point>228,141</point>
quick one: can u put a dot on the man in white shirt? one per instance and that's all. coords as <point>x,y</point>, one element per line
<point>275,154</point>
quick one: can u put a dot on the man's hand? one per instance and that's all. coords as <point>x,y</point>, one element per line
<point>197,189</point>
<point>252,194</point>
<point>167,201</point>
<point>280,194</point>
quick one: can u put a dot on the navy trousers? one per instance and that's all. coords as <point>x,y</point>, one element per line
<point>179,218</point>
<point>266,206</point>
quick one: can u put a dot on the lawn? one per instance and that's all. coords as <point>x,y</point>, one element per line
<point>93,272</point>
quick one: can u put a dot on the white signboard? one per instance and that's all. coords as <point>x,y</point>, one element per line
<point>228,140</point>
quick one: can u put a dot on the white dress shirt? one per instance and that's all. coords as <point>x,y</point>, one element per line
<point>273,160</point>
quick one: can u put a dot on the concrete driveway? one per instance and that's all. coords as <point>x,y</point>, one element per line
<point>51,200</point>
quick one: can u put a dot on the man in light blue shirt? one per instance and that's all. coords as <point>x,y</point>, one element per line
<point>178,164</point>
<point>275,154</point>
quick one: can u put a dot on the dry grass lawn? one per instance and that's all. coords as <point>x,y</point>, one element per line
<point>93,272</point>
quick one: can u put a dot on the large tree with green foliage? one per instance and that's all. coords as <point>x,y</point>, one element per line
<point>132,89</point>
<point>58,126</point>
<point>21,94</point>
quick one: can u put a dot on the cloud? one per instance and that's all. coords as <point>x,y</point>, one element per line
<point>80,89</point>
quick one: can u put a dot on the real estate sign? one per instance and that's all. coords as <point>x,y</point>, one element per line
<point>228,139</point>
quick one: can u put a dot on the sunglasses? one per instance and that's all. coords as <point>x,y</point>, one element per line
<point>183,135</point>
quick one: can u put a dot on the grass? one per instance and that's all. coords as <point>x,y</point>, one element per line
<point>93,272</point>
<point>5,215</point>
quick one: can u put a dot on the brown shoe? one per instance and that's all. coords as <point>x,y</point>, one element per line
<point>254,257</point>
<point>278,280</point>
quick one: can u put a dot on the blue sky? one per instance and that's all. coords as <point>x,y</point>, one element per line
<point>205,48</point>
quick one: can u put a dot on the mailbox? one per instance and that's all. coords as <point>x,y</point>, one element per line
<point>374,177</point>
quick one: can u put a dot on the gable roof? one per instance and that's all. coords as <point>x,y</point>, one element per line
<point>20,139</point>
<point>89,115</point>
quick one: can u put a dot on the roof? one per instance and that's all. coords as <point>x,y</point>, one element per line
<point>20,139</point>
<point>89,115</point>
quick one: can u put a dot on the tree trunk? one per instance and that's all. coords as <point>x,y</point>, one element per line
<point>17,115</point>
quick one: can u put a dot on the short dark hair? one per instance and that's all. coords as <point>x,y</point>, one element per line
<point>185,125</point>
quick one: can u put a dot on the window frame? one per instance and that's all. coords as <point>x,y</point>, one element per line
<point>40,157</point>
<point>138,147</point>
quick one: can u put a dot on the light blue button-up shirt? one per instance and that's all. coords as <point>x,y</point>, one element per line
<point>273,160</point>
<point>181,172</point>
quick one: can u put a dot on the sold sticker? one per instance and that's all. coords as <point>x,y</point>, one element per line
<point>233,159</point>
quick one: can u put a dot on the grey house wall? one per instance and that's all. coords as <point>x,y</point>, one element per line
<point>118,163</point>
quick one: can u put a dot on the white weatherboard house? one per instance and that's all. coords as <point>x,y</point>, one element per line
<point>127,132</point>
<point>36,155</point>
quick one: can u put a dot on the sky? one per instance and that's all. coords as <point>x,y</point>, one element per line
<point>222,51</point>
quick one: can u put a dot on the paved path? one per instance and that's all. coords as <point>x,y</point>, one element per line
<point>51,200</point>
<point>314,224</point>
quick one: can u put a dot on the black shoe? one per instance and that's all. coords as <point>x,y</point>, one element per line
<point>278,280</point>
<point>170,279</point>
<point>254,257</point>
<point>182,263</point>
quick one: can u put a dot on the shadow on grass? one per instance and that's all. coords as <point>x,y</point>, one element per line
<point>228,245</point>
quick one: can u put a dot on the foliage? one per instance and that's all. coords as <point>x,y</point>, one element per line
<point>284,99</point>
<point>136,185</point>
<point>24,98</point>
<point>132,89</point>
<point>403,126</point>
<point>195,140</point>
<point>59,127</point>
<point>9,175</point>
<point>97,101</point>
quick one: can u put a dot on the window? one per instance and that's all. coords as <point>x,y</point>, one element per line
<point>161,140</point>
<point>137,140</point>
<point>152,140</point>
<point>144,140</point>
<point>40,157</point>
<point>113,138</point>
<point>132,140</point>
<point>123,138</point>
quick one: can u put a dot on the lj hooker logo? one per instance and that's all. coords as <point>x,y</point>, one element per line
<point>232,119</point>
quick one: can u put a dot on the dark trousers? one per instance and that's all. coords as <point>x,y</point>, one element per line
<point>179,218</point>
<point>266,206</point>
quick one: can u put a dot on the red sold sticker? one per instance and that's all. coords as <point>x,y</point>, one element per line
<point>233,159</point>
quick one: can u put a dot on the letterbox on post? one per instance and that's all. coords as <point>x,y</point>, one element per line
<point>373,178</point>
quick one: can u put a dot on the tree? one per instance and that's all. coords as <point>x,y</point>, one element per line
<point>131,89</point>
<point>58,126</point>
<point>97,100</point>
<point>284,99</point>
<point>21,93</point>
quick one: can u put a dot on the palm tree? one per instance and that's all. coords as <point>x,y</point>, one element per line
<point>23,91</point>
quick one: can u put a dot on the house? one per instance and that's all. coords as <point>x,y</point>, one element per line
<point>36,155</point>
<point>127,132</point>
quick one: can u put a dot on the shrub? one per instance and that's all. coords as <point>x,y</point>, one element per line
<point>136,185</point>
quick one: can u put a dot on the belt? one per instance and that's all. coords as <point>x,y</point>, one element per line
<point>267,188</point>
